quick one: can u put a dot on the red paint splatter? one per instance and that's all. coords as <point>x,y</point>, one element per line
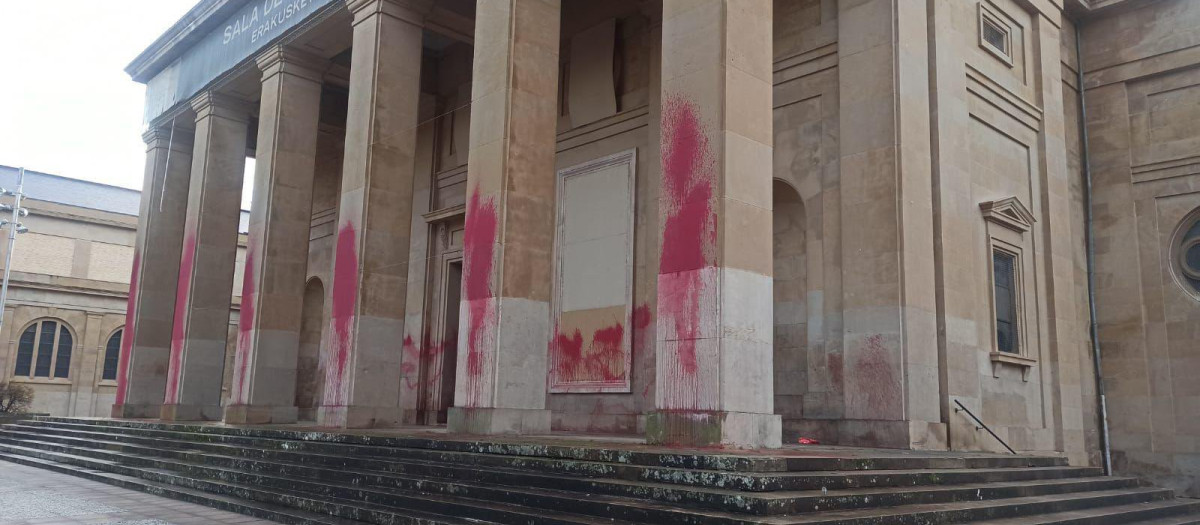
<point>241,379</point>
<point>479,244</point>
<point>873,371</point>
<point>689,239</point>
<point>834,362</point>
<point>183,290</point>
<point>130,330</point>
<point>641,317</point>
<point>341,314</point>
<point>603,362</point>
<point>690,228</point>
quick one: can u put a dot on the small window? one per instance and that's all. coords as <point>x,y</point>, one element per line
<point>994,35</point>
<point>1004,267</point>
<point>112,356</point>
<point>44,346</point>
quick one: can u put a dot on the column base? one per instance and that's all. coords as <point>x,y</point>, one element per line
<point>490,421</point>
<point>260,415</point>
<point>131,411</point>
<point>190,413</point>
<point>359,417</point>
<point>714,429</point>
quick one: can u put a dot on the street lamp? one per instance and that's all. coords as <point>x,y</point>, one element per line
<point>14,227</point>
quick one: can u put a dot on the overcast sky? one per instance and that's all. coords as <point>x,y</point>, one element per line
<point>66,105</point>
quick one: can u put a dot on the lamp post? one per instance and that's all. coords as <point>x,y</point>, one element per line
<point>14,227</point>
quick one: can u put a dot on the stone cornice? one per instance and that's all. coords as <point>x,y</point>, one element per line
<point>193,26</point>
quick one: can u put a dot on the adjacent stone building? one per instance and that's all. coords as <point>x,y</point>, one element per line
<point>65,313</point>
<point>710,222</point>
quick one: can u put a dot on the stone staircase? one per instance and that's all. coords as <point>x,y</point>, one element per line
<point>295,476</point>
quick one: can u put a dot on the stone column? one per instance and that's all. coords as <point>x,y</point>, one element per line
<point>714,336</point>
<point>205,280</point>
<point>890,354</point>
<point>362,375</point>
<point>146,341</point>
<point>507,247</point>
<point>264,369</point>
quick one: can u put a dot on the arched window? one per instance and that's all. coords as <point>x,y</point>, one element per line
<point>112,355</point>
<point>44,346</point>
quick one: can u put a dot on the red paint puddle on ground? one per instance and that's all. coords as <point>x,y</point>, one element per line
<point>341,314</point>
<point>183,290</point>
<point>241,379</point>
<point>479,245</point>
<point>689,237</point>
<point>128,335</point>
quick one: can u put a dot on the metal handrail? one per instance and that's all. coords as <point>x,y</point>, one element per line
<point>982,425</point>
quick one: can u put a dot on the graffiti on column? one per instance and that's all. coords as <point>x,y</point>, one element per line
<point>179,328</point>
<point>341,315</point>
<point>688,248</point>
<point>130,330</point>
<point>242,355</point>
<point>479,246</point>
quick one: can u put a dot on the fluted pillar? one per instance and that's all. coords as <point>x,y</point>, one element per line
<point>204,288</point>
<point>370,271</point>
<point>264,369</point>
<point>146,340</point>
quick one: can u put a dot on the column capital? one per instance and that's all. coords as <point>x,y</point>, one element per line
<point>176,137</point>
<point>214,104</point>
<point>287,59</point>
<point>411,11</point>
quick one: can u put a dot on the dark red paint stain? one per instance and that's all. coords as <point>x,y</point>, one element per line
<point>183,290</point>
<point>873,371</point>
<point>128,335</point>
<point>341,314</point>
<point>241,378</point>
<point>834,362</point>
<point>479,245</point>
<point>689,238</point>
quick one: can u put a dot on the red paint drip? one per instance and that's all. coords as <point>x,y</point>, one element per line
<point>689,238</point>
<point>241,379</point>
<point>183,290</point>
<point>479,245</point>
<point>341,314</point>
<point>604,360</point>
<point>130,330</point>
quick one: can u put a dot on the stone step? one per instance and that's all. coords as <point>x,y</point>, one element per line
<point>1165,512</point>
<point>276,513</point>
<point>390,479</point>
<point>914,514</point>
<point>732,497</point>
<point>1020,510</point>
<point>812,460</point>
<point>717,499</point>
<point>426,509</point>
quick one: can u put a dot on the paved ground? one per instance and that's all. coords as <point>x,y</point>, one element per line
<point>31,496</point>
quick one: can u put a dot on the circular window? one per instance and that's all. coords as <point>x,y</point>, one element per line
<point>1187,248</point>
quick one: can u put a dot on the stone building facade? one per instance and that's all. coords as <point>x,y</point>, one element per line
<point>65,313</point>
<point>710,222</point>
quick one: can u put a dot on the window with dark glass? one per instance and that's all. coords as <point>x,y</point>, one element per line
<point>1004,267</point>
<point>25,351</point>
<point>112,355</point>
<point>995,36</point>
<point>44,347</point>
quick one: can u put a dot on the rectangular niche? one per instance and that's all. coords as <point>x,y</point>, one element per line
<point>590,349</point>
